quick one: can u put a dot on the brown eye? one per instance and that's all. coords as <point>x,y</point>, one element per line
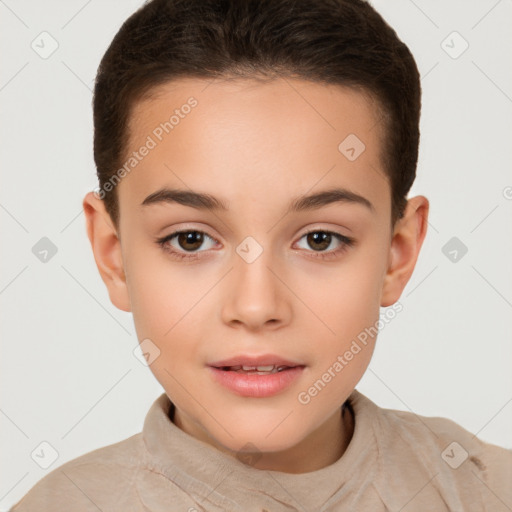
<point>186,243</point>
<point>319,240</point>
<point>190,240</point>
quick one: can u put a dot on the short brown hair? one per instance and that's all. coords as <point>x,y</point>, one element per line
<point>344,42</point>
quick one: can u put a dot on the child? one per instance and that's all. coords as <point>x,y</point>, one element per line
<point>279,138</point>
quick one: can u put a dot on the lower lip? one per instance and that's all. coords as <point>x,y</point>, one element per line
<point>257,386</point>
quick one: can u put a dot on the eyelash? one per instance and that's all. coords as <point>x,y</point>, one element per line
<point>346,241</point>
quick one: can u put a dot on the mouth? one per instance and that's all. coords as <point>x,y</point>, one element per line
<point>255,370</point>
<point>267,363</point>
<point>256,376</point>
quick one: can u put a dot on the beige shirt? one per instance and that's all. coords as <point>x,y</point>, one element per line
<point>396,461</point>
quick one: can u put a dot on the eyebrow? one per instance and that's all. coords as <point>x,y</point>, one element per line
<point>203,201</point>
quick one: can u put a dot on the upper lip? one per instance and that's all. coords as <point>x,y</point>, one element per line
<point>255,360</point>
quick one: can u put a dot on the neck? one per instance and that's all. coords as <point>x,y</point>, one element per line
<point>310,454</point>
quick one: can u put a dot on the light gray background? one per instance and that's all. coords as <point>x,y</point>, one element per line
<point>68,374</point>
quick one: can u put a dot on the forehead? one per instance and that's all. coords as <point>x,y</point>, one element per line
<point>246,139</point>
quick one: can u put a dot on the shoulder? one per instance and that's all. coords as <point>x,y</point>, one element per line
<point>457,460</point>
<point>453,443</point>
<point>97,480</point>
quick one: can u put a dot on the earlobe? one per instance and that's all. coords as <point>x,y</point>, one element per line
<point>106,248</point>
<point>405,247</point>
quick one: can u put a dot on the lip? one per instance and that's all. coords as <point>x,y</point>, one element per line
<point>254,385</point>
<point>255,360</point>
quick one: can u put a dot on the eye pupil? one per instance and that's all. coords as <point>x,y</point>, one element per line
<point>319,237</point>
<point>190,237</point>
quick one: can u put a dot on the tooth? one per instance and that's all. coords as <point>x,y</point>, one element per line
<point>248,368</point>
<point>265,368</point>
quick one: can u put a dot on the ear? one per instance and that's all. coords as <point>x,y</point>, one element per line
<point>106,247</point>
<point>406,243</point>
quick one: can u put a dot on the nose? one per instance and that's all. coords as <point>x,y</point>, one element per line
<point>255,295</point>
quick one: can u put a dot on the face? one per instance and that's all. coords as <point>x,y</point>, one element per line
<point>250,274</point>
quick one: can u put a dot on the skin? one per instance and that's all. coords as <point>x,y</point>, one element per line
<point>256,146</point>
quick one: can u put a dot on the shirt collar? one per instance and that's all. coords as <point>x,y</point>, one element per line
<point>201,470</point>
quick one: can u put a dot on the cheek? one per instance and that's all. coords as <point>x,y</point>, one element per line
<point>348,301</point>
<point>166,303</point>
<point>155,302</point>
